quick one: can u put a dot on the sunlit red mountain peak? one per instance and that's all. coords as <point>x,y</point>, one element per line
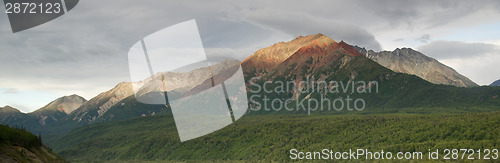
<point>267,59</point>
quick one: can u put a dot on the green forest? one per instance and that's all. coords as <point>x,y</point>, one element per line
<point>18,137</point>
<point>270,138</point>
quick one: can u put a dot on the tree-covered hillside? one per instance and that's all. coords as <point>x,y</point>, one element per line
<point>268,138</point>
<point>19,145</point>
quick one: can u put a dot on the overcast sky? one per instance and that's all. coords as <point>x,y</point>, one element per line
<point>85,51</point>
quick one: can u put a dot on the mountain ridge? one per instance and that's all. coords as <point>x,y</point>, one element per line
<point>99,104</point>
<point>8,109</point>
<point>57,109</point>
<point>400,93</point>
<point>66,104</point>
<point>313,56</point>
<point>323,62</point>
<point>13,117</point>
<point>410,61</point>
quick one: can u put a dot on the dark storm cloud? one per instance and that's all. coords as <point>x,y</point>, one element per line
<point>88,46</point>
<point>456,49</point>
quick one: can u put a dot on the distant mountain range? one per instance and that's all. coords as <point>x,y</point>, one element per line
<point>13,117</point>
<point>298,60</point>
<point>57,109</point>
<point>304,57</point>
<point>118,103</point>
<point>496,83</point>
<point>266,59</point>
<point>407,60</point>
<point>47,115</point>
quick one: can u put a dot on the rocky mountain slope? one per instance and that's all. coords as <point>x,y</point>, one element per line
<point>181,81</point>
<point>496,83</point>
<point>47,115</point>
<point>407,60</point>
<point>108,106</point>
<point>266,59</point>
<point>315,56</point>
<point>98,105</point>
<point>57,109</point>
<point>324,59</point>
<point>118,103</point>
<point>8,113</point>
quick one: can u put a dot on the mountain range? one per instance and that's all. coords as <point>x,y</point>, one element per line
<point>50,114</point>
<point>304,57</point>
<point>324,59</point>
<point>267,134</point>
<point>13,117</point>
<point>401,87</point>
<point>118,103</point>
<point>98,105</point>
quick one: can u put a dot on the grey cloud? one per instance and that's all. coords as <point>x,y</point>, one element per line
<point>424,38</point>
<point>303,24</point>
<point>87,48</point>
<point>399,40</point>
<point>11,91</point>
<point>455,49</point>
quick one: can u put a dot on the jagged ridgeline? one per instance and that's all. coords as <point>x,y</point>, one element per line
<point>310,62</point>
<point>407,60</point>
